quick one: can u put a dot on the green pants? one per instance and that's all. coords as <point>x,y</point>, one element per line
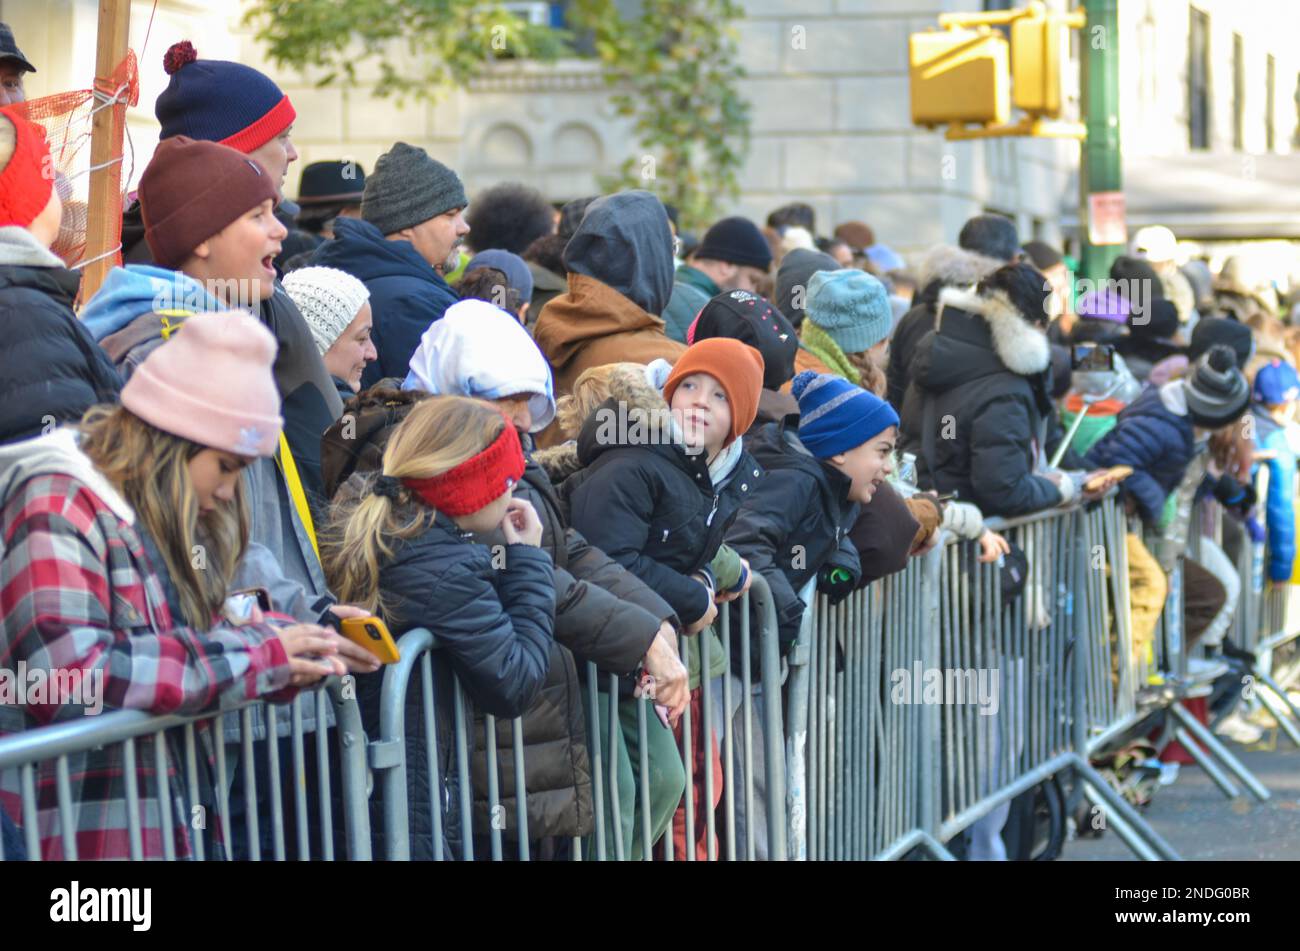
<point>667,778</point>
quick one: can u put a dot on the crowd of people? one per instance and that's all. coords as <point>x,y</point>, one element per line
<point>557,436</point>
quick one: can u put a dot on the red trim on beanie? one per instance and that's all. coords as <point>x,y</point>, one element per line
<point>478,481</point>
<point>24,188</point>
<point>265,129</point>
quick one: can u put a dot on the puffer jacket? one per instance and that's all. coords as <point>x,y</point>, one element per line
<point>648,503</point>
<point>51,368</point>
<point>795,522</point>
<point>1154,435</point>
<point>944,266</point>
<point>985,373</point>
<point>494,617</point>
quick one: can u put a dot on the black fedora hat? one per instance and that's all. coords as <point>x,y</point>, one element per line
<point>325,183</point>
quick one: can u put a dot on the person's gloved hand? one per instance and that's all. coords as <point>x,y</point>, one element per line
<point>927,511</point>
<point>836,583</point>
<point>1235,495</point>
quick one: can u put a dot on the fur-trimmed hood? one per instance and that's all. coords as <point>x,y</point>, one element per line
<point>1022,347</point>
<point>629,388</point>
<point>951,266</point>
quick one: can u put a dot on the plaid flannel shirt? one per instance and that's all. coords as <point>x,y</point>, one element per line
<point>77,592</point>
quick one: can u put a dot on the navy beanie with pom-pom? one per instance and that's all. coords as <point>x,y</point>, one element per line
<point>836,416</point>
<point>213,100</point>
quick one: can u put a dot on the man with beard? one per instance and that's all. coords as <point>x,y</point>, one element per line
<point>410,233</point>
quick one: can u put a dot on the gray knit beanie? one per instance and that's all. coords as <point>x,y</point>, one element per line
<point>1216,390</point>
<point>408,187</point>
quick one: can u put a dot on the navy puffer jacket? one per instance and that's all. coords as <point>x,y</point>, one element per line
<point>494,628</point>
<point>1157,442</point>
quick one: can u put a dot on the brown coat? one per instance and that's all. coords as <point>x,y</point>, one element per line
<point>592,325</point>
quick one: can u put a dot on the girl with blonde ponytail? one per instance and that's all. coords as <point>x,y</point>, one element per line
<point>401,541</point>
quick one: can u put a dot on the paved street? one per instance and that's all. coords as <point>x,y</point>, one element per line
<point>1200,823</point>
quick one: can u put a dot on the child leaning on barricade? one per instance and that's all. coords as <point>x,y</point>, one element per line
<point>1162,437</point>
<point>661,473</point>
<point>399,543</point>
<point>98,578</point>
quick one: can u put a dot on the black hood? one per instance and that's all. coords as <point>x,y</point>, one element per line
<point>625,242</point>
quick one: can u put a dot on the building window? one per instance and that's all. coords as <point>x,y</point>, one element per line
<point>1198,81</point>
<point>1270,103</point>
<point>1238,93</point>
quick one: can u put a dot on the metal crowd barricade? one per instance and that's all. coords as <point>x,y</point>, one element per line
<point>185,775</point>
<point>454,826</point>
<point>881,767</point>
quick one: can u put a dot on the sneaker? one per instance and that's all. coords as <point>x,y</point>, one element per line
<point>1236,728</point>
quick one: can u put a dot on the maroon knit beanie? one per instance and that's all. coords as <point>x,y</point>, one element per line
<point>191,190</point>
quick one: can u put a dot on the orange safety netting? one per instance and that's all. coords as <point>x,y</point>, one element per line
<point>67,118</point>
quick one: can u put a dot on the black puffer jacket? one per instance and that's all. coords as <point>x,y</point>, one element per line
<point>649,504</point>
<point>944,266</point>
<point>495,628</point>
<point>985,371</point>
<point>794,523</point>
<point>51,369</point>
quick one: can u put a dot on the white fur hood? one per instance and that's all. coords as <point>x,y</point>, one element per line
<point>1021,347</point>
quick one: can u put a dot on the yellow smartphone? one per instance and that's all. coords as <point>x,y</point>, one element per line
<point>372,634</point>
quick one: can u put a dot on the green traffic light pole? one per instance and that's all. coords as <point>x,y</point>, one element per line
<point>1100,170</point>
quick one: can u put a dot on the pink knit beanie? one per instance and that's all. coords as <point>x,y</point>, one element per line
<point>211,383</point>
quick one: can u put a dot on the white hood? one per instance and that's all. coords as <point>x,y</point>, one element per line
<point>57,453</point>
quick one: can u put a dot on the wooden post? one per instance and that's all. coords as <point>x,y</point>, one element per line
<point>103,217</point>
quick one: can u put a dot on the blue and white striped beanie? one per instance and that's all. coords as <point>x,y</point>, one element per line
<point>836,416</point>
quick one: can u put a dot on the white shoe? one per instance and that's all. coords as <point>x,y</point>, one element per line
<point>1237,729</point>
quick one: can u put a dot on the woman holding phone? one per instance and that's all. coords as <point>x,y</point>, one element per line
<point>400,544</point>
<point>118,542</point>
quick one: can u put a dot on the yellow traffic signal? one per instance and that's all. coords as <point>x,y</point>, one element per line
<point>1040,48</point>
<point>959,76</point>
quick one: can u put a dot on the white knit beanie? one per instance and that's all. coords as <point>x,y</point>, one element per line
<point>328,298</point>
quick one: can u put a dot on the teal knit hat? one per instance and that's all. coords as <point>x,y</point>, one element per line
<point>851,306</point>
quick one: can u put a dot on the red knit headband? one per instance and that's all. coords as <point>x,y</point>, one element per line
<point>25,185</point>
<point>478,481</point>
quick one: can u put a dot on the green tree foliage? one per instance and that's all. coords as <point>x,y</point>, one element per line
<point>671,69</point>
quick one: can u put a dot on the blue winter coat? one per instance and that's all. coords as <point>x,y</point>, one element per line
<point>1156,442</point>
<point>1280,504</point>
<point>406,293</point>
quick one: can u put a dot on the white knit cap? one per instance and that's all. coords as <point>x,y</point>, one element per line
<point>329,300</point>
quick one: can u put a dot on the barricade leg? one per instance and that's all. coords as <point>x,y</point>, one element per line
<point>1207,763</point>
<point>1219,751</point>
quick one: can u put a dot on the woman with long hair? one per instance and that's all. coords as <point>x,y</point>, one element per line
<point>401,541</point>
<point>119,543</point>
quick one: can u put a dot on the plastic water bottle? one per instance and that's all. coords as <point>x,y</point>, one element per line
<point>907,469</point>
